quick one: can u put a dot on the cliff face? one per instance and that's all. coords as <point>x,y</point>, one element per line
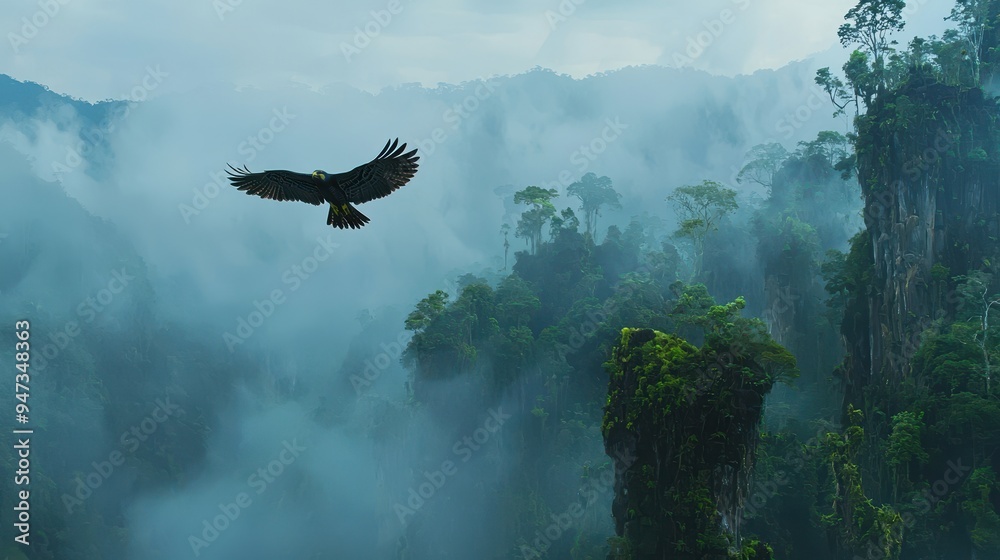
<point>928,165</point>
<point>681,426</point>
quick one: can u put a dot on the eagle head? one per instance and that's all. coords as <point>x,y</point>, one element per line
<point>319,174</point>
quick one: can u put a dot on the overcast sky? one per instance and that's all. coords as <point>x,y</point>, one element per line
<point>209,269</point>
<point>100,49</point>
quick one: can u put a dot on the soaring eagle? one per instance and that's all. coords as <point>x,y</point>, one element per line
<point>390,170</point>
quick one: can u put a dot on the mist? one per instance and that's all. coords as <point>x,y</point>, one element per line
<point>219,376</point>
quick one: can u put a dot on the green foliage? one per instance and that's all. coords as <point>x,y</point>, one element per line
<point>927,131</point>
<point>533,220</point>
<point>700,208</point>
<point>535,197</point>
<point>692,305</point>
<point>594,193</point>
<point>985,522</point>
<point>947,363</point>
<point>765,160</point>
<point>940,273</point>
<point>829,145</point>
<point>427,310</point>
<point>834,87</point>
<point>753,549</point>
<point>854,521</point>
<point>696,408</point>
<point>869,24</point>
<point>565,222</point>
<point>973,19</point>
<point>904,440</point>
<point>846,277</point>
<point>516,302</point>
<point>861,77</point>
<point>976,302</point>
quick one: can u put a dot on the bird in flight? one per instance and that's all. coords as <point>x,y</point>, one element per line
<point>379,177</point>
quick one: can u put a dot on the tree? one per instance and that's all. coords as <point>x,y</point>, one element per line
<point>972,17</point>
<point>530,225</point>
<point>505,229</point>
<point>973,293</point>
<point>834,87</point>
<point>516,302</point>
<point>765,160</point>
<point>594,192</point>
<point>863,80</point>
<point>427,310</point>
<point>904,445</point>
<point>917,57</point>
<point>700,208</point>
<point>565,221</point>
<point>830,145</point>
<point>869,24</point>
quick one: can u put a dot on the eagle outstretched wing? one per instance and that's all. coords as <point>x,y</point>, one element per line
<point>381,176</point>
<point>277,185</point>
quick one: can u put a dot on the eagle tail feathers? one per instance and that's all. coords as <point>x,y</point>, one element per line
<point>345,216</point>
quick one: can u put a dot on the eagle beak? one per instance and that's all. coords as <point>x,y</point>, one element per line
<point>318,175</point>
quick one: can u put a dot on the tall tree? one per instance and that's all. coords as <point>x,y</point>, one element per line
<point>530,225</point>
<point>700,208</point>
<point>594,193</point>
<point>869,24</point>
<point>974,300</point>
<point>765,160</point>
<point>565,221</point>
<point>830,145</point>
<point>972,17</point>
<point>505,230</point>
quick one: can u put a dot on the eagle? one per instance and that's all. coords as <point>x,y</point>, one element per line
<point>379,177</point>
